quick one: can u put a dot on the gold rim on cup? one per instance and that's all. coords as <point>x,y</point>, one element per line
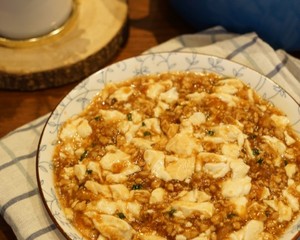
<point>22,43</point>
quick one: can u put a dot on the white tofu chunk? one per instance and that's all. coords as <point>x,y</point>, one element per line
<point>142,143</point>
<point>280,121</point>
<point>216,170</point>
<point>84,129</point>
<point>240,205</point>
<point>129,129</point>
<point>67,150</point>
<point>133,208</point>
<point>275,143</point>
<point>75,128</point>
<point>170,96</point>
<point>239,168</point>
<point>187,208</point>
<point>250,95</point>
<point>249,149</point>
<point>197,118</point>
<point>122,93</point>
<point>153,124</point>
<point>112,115</point>
<point>292,201</point>
<point>265,193</point>
<point>194,196</point>
<point>188,196</point>
<point>113,227</point>
<point>203,196</point>
<point>234,82</point>
<point>136,117</point>
<point>180,237</point>
<point>186,127</point>
<point>69,130</point>
<point>196,96</point>
<point>154,90</point>
<point>105,206</point>
<point>230,134</point>
<point>100,237</point>
<point>180,168</point>
<point>80,171</point>
<point>290,169</point>
<point>285,212</point>
<point>252,230</point>
<point>118,162</point>
<point>98,188</point>
<point>237,187</point>
<point>272,204</point>
<point>182,144</point>
<point>288,139</point>
<point>231,150</point>
<point>78,152</point>
<point>227,98</point>
<point>68,172</point>
<point>157,195</point>
<point>69,213</point>
<point>119,191</point>
<point>202,236</point>
<point>94,167</point>
<point>226,89</point>
<point>212,157</point>
<point>160,108</point>
<point>156,161</point>
<point>116,178</point>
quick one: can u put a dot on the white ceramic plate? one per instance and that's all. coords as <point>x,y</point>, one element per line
<point>81,95</point>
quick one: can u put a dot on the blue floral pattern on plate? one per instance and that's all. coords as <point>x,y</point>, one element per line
<point>84,92</point>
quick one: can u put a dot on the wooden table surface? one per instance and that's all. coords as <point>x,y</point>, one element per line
<point>151,22</point>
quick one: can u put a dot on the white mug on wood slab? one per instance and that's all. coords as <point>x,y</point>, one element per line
<point>25,19</point>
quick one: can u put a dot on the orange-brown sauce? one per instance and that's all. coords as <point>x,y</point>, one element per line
<point>262,171</point>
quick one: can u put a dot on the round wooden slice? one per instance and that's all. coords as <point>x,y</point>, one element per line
<point>94,32</point>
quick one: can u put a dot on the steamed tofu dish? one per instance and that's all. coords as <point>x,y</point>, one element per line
<point>179,156</point>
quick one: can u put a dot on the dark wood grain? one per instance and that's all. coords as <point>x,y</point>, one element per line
<point>150,22</point>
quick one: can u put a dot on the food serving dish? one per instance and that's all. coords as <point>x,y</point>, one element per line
<point>76,101</point>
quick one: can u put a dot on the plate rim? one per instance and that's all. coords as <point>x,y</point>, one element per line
<point>85,80</point>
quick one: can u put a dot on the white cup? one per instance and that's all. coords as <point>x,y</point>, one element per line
<point>25,19</point>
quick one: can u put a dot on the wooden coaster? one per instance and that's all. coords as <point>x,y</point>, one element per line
<point>93,34</point>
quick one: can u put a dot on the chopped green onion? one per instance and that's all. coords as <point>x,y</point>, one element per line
<point>113,101</point>
<point>84,155</point>
<point>121,215</point>
<point>267,213</point>
<point>147,133</point>
<point>97,118</point>
<point>136,186</point>
<point>255,151</point>
<point>260,161</point>
<point>143,124</point>
<point>89,171</point>
<point>231,215</point>
<point>210,132</point>
<point>171,212</point>
<point>252,136</point>
<point>129,116</point>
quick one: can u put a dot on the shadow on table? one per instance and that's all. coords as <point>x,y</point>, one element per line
<point>162,21</point>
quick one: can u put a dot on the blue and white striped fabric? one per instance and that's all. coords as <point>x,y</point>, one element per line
<point>20,203</point>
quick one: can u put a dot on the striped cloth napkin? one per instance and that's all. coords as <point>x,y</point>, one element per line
<point>20,203</point>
